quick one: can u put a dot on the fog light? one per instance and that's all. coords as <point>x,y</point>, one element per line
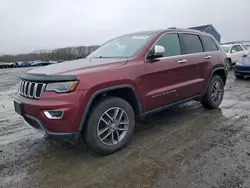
<point>53,114</point>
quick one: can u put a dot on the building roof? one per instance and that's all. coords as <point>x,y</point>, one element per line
<point>204,28</point>
<point>201,28</point>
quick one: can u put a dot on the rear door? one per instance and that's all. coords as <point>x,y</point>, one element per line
<point>212,55</point>
<point>196,61</point>
<point>245,49</point>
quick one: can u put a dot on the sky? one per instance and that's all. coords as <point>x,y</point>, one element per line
<point>28,25</point>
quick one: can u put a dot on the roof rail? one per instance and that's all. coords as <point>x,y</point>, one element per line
<point>172,28</point>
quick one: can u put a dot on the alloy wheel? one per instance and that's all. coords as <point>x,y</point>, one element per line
<point>217,91</point>
<point>112,126</point>
<point>228,65</point>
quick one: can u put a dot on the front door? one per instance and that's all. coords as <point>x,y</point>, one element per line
<point>164,76</point>
<point>237,53</point>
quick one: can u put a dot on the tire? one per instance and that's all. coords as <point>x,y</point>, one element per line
<point>208,101</point>
<point>95,123</point>
<point>239,77</point>
<point>228,64</point>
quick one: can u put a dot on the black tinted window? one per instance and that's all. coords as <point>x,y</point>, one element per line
<point>171,43</point>
<point>191,44</point>
<point>208,44</point>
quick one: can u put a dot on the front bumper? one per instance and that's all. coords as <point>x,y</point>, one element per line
<point>67,127</point>
<point>35,123</point>
<point>242,70</point>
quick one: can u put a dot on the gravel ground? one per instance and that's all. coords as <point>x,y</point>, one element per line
<point>186,146</point>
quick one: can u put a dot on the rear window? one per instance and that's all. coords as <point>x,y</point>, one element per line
<point>208,44</point>
<point>191,44</point>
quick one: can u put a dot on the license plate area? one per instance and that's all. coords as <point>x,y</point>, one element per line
<point>18,107</point>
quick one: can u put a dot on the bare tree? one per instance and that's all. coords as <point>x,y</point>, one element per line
<point>57,54</point>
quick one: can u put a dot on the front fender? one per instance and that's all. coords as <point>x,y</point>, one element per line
<point>96,90</point>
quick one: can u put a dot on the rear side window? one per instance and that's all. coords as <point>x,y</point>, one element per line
<point>245,47</point>
<point>191,44</point>
<point>208,44</point>
<point>171,43</point>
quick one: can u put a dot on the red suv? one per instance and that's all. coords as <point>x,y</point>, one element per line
<point>128,78</point>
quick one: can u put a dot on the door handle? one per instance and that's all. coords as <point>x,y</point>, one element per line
<point>208,57</point>
<point>182,61</point>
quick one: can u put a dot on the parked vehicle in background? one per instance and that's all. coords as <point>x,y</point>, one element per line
<point>24,64</point>
<point>13,64</point>
<point>234,53</point>
<point>8,64</point>
<point>2,65</point>
<point>36,63</point>
<point>40,63</point>
<point>126,79</point>
<point>242,67</point>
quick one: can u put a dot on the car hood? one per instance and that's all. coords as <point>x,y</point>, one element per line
<point>244,61</point>
<point>79,66</point>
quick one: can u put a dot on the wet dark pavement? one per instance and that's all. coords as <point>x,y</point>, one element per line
<point>187,146</point>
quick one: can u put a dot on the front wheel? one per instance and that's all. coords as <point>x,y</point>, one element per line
<point>214,93</point>
<point>110,125</point>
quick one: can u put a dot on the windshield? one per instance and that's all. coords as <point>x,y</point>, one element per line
<point>122,47</point>
<point>225,48</point>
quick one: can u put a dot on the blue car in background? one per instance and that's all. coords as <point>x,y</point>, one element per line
<point>242,68</point>
<point>40,63</point>
<point>24,64</point>
<point>36,63</point>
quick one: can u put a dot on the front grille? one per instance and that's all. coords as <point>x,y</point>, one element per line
<point>31,90</point>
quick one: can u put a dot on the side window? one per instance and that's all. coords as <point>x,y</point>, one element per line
<point>191,44</point>
<point>233,48</point>
<point>237,48</point>
<point>245,47</point>
<point>208,44</point>
<point>171,43</point>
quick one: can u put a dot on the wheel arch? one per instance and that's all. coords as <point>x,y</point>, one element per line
<point>220,71</point>
<point>119,91</point>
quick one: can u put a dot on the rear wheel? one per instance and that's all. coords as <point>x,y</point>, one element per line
<point>228,64</point>
<point>239,77</point>
<point>110,125</point>
<point>214,94</point>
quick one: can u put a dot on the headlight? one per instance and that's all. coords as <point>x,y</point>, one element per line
<point>62,87</point>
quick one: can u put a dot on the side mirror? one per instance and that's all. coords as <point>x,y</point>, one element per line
<point>233,51</point>
<point>245,55</point>
<point>157,52</point>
